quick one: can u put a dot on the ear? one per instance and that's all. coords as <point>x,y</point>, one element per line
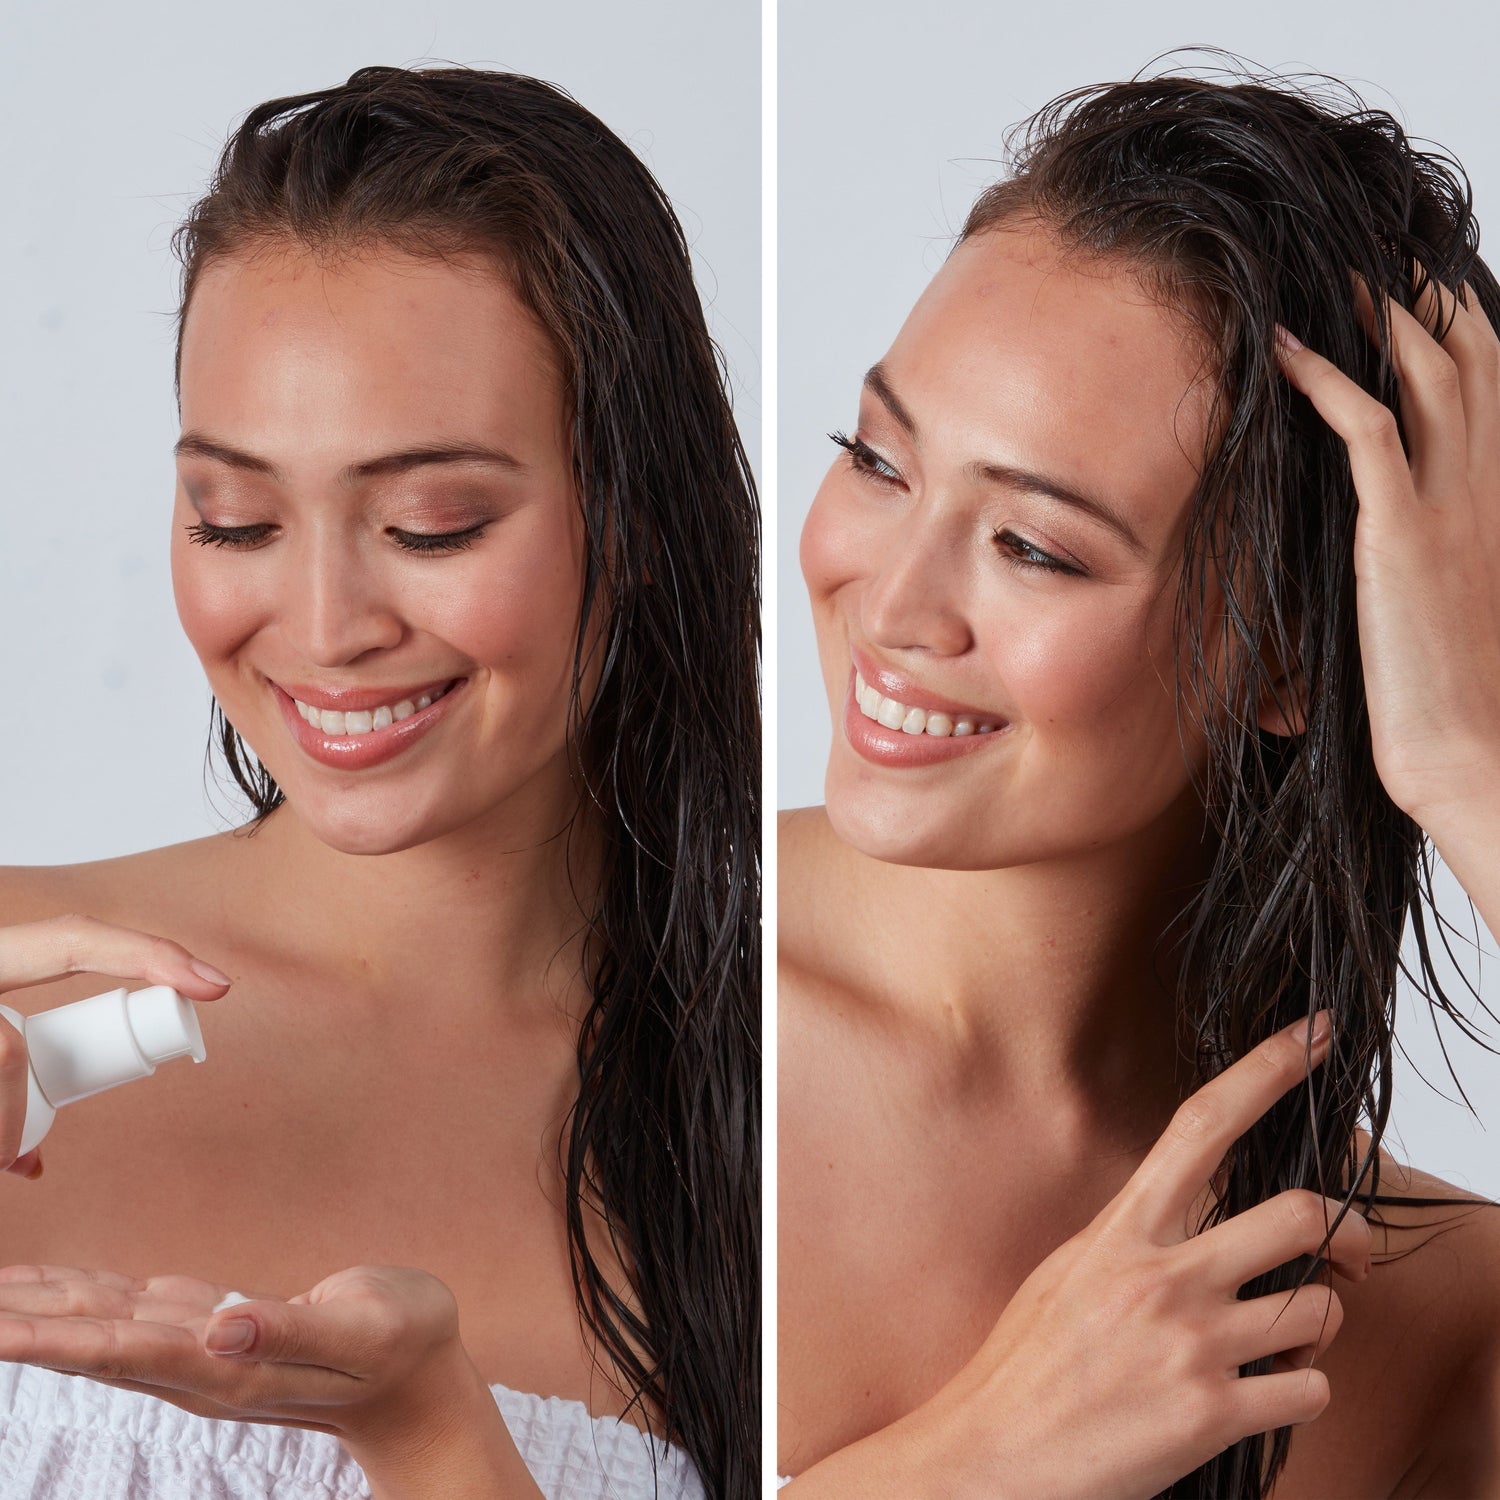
<point>1283,704</point>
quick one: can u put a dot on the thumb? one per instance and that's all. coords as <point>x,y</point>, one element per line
<point>273,1330</point>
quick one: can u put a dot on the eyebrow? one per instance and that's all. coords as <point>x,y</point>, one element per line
<point>201,445</point>
<point>879,384</point>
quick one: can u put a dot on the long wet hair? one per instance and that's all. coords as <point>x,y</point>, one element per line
<point>663,1141</point>
<point>1243,204</point>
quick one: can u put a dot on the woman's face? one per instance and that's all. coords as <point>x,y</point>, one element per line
<point>377,550</point>
<point>1031,632</point>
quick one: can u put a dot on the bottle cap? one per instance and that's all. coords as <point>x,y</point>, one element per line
<point>92,1045</point>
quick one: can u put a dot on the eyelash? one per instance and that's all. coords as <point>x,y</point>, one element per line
<point>207,535</point>
<point>1019,554</point>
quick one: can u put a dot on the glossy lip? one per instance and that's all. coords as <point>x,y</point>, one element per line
<point>904,690</point>
<point>360,751</point>
<point>353,700</point>
<point>894,747</point>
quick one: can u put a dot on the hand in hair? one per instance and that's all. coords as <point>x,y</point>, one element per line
<point>371,1355</point>
<point>1115,1368</point>
<point>35,952</point>
<point>1426,546</point>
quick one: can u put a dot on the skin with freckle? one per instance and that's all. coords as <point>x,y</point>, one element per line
<point>1009,358</point>
<point>314,367</point>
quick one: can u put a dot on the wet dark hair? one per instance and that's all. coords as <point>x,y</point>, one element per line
<point>1243,202</point>
<point>663,1140</point>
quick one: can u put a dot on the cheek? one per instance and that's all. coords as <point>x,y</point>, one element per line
<point>836,542</point>
<point>220,605</point>
<point>1097,674</point>
<point>513,607</point>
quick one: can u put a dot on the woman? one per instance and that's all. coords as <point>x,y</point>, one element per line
<point>463,536</point>
<point>1151,654</point>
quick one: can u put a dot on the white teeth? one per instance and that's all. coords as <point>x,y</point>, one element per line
<point>894,715</point>
<point>362,721</point>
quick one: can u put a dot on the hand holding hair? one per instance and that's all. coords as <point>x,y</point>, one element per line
<point>36,952</point>
<point>1427,564</point>
<point>371,1355</point>
<point>1115,1368</point>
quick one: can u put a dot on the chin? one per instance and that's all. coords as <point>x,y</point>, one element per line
<point>367,826</point>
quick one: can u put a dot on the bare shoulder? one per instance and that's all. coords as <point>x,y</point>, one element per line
<point>1432,1323</point>
<point>163,891</point>
<point>103,887</point>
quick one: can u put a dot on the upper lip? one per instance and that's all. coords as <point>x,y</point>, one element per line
<point>354,699</point>
<point>904,690</point>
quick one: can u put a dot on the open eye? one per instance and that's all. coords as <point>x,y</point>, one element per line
<point>865,459</point>
<point>1020,553</point>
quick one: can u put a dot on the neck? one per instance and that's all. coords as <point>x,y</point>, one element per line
<point>491,910</point>
<point>1058,977</point>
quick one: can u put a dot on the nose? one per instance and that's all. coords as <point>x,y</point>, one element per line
<point>913,598</point>
<point>334,606</point>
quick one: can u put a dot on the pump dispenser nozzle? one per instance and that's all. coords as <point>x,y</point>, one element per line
<point>91,1045</point>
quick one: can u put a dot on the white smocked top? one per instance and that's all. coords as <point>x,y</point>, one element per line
<point>65,1437</point>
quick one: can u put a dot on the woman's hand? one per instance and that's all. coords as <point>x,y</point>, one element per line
<point>1114,1369</point>
<point>371,1355</point>
<point>1426,551</point>
<point>35,952</point>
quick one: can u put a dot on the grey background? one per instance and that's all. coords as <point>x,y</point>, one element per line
<point>892,117</point>
<point>111,118</point>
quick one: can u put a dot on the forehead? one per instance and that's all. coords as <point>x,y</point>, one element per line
<point>284,337</point>
<point>1060,364</point>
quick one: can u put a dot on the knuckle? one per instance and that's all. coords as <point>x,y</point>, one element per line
<point>1194,1121</point>
<point>73,932</point>
<point>1306,1216</point>
<point>1377,426</point>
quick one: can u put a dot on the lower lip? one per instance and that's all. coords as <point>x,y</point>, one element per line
<point>357,752</point>
<point>894,747</point>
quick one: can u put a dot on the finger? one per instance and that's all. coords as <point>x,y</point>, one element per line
<point>72,1297</point>
<point>1268,1235</point>
<point>1429,391</point>
<point>15,1089</point>
<point>1260,1403</point>
<point>36,952</point>
<point>27,1273</point>
<point>1471,342</point>
<point>1167,1182</point>
<point>1306,1322</point>
<point>28,1166</point>
<point>1377,462</point>
<point>349,1337</point>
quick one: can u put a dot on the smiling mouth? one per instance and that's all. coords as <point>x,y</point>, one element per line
<point>893,714</point>
<point>335,723</point>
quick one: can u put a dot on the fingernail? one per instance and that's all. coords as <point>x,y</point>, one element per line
<point>35,1172</point>
<point>1287,339</point>
<point>208,972</point>
<point>1322,1027</point>
<point>232,1336</point>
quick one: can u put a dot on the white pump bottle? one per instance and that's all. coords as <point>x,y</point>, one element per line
<point>91,1045</point>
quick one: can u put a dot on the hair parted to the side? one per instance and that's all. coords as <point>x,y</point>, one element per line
<point>1244,200</point>
<point>663,1140</point>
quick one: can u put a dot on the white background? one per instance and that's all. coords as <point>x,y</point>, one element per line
<point>111,119</point>
<point>892,116</point>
